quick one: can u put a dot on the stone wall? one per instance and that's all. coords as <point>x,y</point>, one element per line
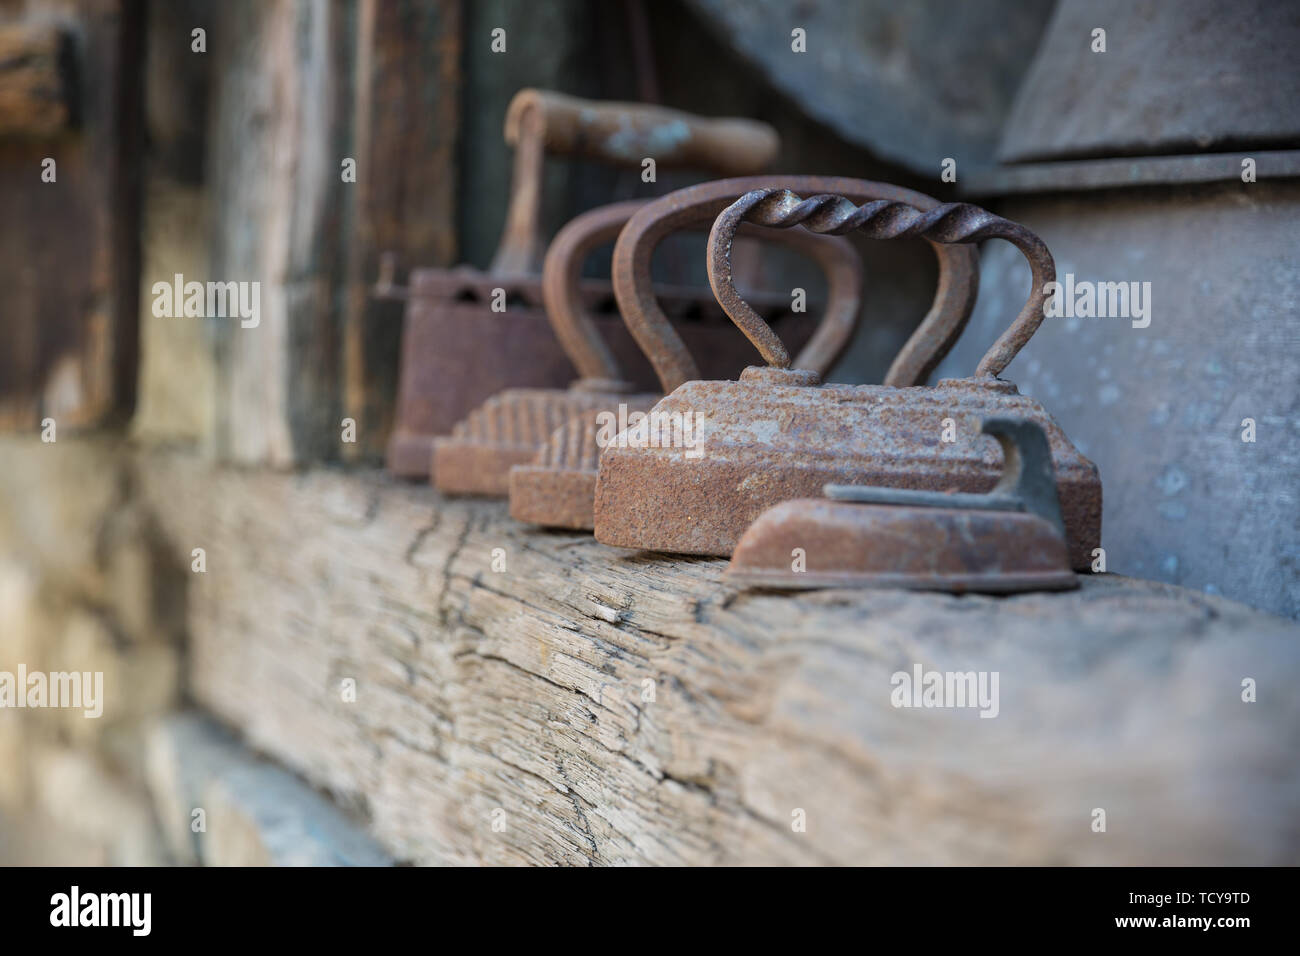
<point>87,584</point>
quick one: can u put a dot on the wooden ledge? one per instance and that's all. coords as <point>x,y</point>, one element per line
<point>579,704</point>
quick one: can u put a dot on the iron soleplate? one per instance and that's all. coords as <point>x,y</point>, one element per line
<point>845,545</point>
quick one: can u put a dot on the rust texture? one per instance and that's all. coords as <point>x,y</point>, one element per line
<point>1009,539</point>
<point>898,547</point>
<point>505,430</point>
<point>573,323</point>
<point>777,434</point>
<point>456,352</point>
<point>954,298</point>
<point>557,489</point>
<point>574,327</point>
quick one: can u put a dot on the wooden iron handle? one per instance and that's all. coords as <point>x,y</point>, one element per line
<point>622,134</point>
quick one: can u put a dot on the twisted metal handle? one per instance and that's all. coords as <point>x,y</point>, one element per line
<point>830,214</point>
<point>953,300</point>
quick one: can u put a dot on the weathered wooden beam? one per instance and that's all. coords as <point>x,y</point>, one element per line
<point>34,93</point>
<point>529,697</point>
<point>69,199</point>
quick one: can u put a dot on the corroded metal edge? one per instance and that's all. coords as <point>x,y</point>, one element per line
<point>955,584</point>
<point>1009,539</point>
<point>506,430</point>
<point>553,498</point>
<point>763,444</point>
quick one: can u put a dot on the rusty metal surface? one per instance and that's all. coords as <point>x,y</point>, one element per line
<point>449,330</point>
<point>913,82</point>
<point>876,546</point>
<point>505,430</point>
<point>457,353</point>
<point>623,134</point>
<point>572,321</point>
<point>1028,482</point>
<point>576,331</point>
<point>1009,539</point>
<point>557,489</point>
<point>764,441</point>
<point>777,434</point>
<point>673,362</point>
<point>552,498</point>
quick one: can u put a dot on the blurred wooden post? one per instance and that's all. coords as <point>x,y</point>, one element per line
<point>34,95</point>
<point>277,202</point>
<point>69,153</point>
<point>305,90</point>
<point>406,122</point>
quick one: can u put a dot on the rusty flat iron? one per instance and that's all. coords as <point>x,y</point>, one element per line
<point>558,488</point>
<point>510,428</point>
<point>457,350</point>
<point>778,434</point>
<point>1011,538</point>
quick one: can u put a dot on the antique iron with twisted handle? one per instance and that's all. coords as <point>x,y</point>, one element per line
<point>557,489</point>
<point>779,434</point>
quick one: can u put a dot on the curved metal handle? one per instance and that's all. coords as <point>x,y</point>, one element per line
<point>880,219</point>
<point>953,301</point>
<point>588,351</point>
<point>582,342</point>
<point>622,134</point>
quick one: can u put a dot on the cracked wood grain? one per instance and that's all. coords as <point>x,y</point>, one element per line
<point>523,696</point>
